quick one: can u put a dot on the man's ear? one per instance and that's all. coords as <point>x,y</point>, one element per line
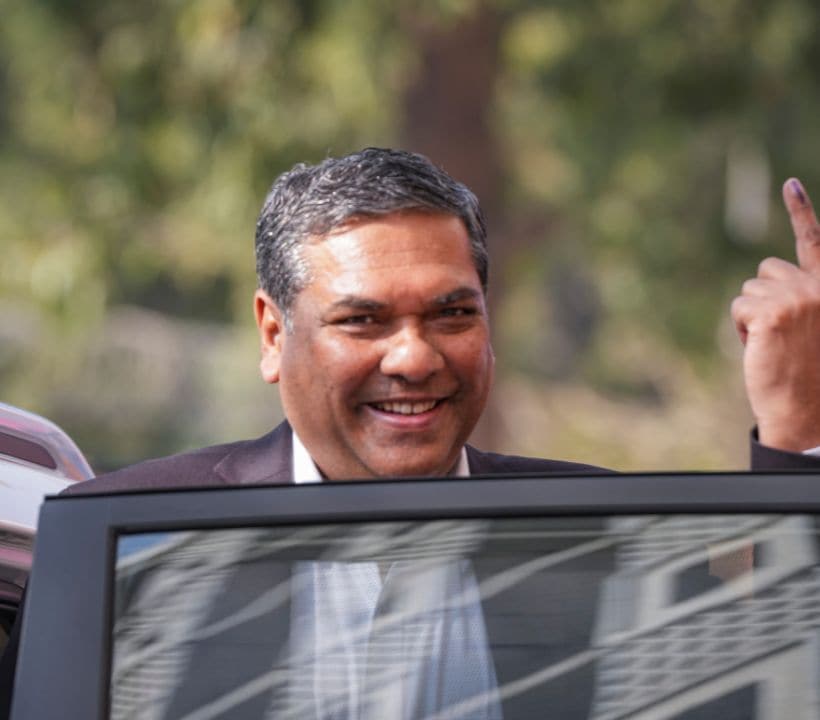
<point>270,322</point>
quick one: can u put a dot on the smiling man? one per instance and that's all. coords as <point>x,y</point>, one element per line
<point>372,319</point>
<point>394,323</point>
<point>389,307</point>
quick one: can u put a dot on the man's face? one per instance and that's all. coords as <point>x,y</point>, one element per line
<point>387,366</point>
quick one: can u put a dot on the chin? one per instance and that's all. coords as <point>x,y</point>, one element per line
<point>414,468</point>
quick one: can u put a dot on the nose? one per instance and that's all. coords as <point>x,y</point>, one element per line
<point>411,356</point>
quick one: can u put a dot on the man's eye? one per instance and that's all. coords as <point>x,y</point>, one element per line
<point>457,312</point>
<point>357,320</point>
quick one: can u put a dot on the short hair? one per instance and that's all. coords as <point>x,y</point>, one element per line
<point>312,200</point>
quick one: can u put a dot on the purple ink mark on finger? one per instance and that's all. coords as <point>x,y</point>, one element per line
<point>797,189</point>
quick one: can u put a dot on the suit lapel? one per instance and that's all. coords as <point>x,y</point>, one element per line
<point>266,460</point>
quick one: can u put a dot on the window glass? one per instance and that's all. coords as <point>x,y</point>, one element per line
<point>684,616</point>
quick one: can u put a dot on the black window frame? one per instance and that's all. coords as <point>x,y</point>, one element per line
<point>64,662</point>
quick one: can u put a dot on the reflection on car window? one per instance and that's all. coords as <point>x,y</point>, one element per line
<point>651,616</point>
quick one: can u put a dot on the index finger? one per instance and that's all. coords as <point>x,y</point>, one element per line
<point>804,224</point>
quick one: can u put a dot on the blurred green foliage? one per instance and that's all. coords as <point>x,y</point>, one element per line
<point>641,148</point>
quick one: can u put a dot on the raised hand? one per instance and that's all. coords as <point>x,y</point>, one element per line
<point>777,316</point>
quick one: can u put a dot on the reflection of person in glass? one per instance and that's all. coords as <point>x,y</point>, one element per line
<point>372,319</point>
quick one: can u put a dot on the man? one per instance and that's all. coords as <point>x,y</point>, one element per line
<point>372,319</point>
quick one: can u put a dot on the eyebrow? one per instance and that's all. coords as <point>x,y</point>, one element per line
<point>354,302</point>
<point>457,295</point>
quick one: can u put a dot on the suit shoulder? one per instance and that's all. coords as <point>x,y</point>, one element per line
<point>493,463</point>
<point>187,469</point>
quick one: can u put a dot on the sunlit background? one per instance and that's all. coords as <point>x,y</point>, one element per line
<point>628,155</point>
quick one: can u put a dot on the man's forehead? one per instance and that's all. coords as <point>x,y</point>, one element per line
<point>391,246</point>
<point>397,217</point>
<point>425,260</point>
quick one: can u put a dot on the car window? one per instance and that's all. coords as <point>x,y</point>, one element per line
<point>663,616</point>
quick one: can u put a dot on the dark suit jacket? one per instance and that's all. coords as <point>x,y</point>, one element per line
<point>267,460</point>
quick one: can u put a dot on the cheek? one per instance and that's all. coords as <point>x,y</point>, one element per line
<point>334,365</point>
<point>475,361</point>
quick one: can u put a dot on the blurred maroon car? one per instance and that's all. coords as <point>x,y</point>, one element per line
<point>37,458</point>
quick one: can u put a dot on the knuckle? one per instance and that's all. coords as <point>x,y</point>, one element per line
<point>794,306</point>
<point>767,265</point>
<point>736,306</point>
<point>744,306</point>
<point>748,286</point>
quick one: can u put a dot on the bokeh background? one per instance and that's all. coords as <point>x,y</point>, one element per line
<point>628,155</point>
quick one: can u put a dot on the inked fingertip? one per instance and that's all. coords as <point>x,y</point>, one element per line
<point>797,190</point>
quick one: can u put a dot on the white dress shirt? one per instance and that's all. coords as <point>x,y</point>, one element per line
<point>406,640</point>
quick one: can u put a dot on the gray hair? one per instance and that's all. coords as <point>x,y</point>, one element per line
<point>311,200</point>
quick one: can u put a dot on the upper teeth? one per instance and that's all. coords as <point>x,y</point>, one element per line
<point>405,408</point>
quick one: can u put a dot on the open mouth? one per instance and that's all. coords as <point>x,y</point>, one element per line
<point>406,408</point>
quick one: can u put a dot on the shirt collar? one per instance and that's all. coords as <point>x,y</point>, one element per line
<point>306,472</point>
